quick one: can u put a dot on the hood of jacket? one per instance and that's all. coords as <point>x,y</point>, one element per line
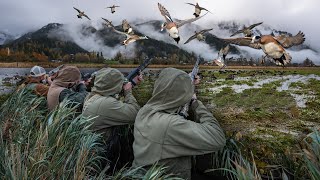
<point>171,90</point>
<point>108,82</point>
<point>67,76</point>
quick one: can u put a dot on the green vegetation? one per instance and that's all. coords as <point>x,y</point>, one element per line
<point>35,144</point>
<point>3,98</point>
<point>268,122</point>
<point>265,128</point>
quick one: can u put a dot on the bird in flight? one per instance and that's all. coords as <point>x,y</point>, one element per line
<point>198,35</point>
<point>247,30</point>
<point>220,61</point>
<point>171,26</point>
<point>113,8</point>
<point>197,9</point>
<point>272,46</point>
<point>81,13</point>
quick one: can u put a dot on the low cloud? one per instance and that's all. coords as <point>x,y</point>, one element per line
<point>199,48</point>
<point>90,41</point>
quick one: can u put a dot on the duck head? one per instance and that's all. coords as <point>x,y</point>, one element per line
<point>163,25</point>
<point>177,39</point>
<point>255,39</point>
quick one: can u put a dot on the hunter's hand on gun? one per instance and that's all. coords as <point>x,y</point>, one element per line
<point>194,98</point>
<point>138,79</point>
<point>196,80</point>
<point>49,80</point>
<point>127,86</point>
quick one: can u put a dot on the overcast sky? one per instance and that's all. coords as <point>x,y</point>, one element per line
<point>20,16</point>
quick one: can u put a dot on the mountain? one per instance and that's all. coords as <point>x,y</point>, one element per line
<point>42,42</point>
<point>56,40</point>
<point>5,38</point>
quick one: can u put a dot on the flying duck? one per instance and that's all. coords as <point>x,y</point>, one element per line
<point>272,46</point>
<point>107,22</point>
<point>247,30</point>
<point>199,35</point>
<point>113,8</point>
<point>81,13</point>
<point>172,27</point>
<point>126,27</point>
<point>130,37</point>
<point>220,61</point>
<point>197,9</point>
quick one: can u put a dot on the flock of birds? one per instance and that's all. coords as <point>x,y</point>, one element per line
<point>272,46</point>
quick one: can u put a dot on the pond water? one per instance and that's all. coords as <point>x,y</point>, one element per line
<point>285,82</point>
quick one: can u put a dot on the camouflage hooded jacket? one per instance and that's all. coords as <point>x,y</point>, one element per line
<point>164,137</point>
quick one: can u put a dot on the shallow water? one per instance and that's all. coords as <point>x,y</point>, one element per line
<point>285,86</point>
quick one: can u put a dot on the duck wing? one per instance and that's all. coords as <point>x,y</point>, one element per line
<point>191,38</point>
<point>165,13</point>
<point>289,41</point>
<point>108,22</point>
<point>237,32</point>
<point>181,23</point>
<point>191,4</point>
<point>205,30</point>
<point>254,25</point>
<point>77,10</point>
<point>244,41</point>
<point>86,16</point>
<point>119,32</point>
<point>202,8</point>
<point>225,50</point>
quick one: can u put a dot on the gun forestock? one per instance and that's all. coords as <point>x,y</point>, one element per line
<point>136,71</point>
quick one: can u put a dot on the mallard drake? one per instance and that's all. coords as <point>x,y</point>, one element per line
<point>247,30</point>
<point>126,27</point>
<point>172,27</point>
<point>199,35</point>
<point>81,13</point>
<point>107,22</point>
<point>130,37</point>
<point>220,61</point>
<point>197,9</point>
<point>113,8</point>
<point>272,46</point>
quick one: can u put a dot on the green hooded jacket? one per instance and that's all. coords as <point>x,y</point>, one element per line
<point>164,137</point>
<point>106,109</point>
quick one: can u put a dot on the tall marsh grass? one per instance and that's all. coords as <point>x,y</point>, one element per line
<point>36,144</point>
<point>312,155</point>
<point>32,149</point>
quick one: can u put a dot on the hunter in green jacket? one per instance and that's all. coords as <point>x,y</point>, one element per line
<point>162,136</point>
<point>108,111</point>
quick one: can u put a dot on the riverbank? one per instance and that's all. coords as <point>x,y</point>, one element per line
<point>95,65</point>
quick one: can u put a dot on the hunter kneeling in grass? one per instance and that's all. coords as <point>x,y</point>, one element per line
<point>164,137</point>
<point>112,116</point>
<point>35,81</point>
<point>67,85</point>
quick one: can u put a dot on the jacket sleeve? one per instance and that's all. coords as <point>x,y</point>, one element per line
<point>115,112</point>
<point>75,97</point>
<point>41,89</point>
<point>186,137</point>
